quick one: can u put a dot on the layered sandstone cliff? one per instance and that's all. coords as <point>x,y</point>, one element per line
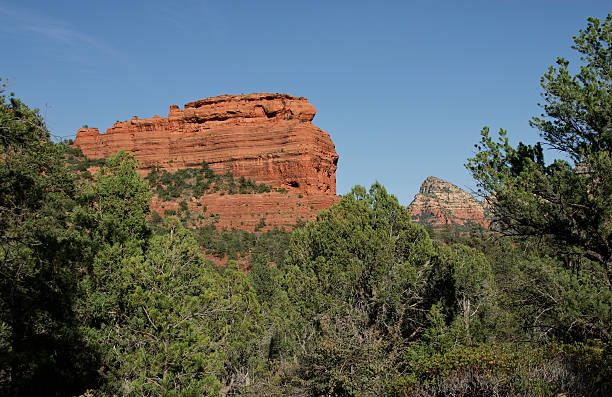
<point>440,203</point>
<point>254,212</point>
<point>268,138</point>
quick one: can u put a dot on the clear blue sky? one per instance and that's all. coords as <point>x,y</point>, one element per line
<point>403,88</point>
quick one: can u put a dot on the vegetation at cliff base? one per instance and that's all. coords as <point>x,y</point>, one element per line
<point>98,297</point>
<point>194,182</point>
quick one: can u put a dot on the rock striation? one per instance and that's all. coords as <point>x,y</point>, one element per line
<point>254,212</point>
<point>268,138</point>
<point>440,203</point>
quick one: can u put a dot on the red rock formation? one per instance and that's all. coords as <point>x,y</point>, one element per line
<point>253,212</point>
<point>440,203</point>
<point>268,138</point>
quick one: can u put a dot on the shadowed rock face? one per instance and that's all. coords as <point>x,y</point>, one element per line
<point>440,203</point>
<point>268,138</point>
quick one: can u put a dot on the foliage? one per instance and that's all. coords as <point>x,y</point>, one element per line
<point>474,294</point>
<point>239,243</point>
<point>177,337</point>
<point>117,203</point>
<point>553,301</point>
<point>113,211</point>
<point>503,369</point>
<point>195,182</point>
<point>358,281</point>
<point>78,162</point>
<point>560,212</point>
<point>170,316</point>
<point>567,203</point>
<point>41,350</point>
<point>578,108</point>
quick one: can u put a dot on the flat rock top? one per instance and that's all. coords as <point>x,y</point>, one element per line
<point>263,96</point>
